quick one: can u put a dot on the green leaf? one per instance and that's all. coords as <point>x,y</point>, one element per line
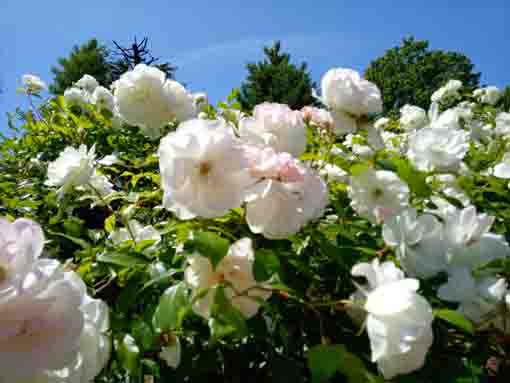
<point>109,223</point>
<point>415,179</point>
<point>326,360</point>
<point>121,259</point>
<point>143,334</point>
<point>359,169</point>
<point>128,354</point>
<point>173,306</point>
<point>266,264</point>
<point>226,320</point>
<point>455,318</point>
<point>209,245</point>
<point>80,242</point>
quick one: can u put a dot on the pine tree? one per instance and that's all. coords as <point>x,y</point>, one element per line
<point>275,79</point>
<point>124,59</point>
<point>90,58</point>
<point>410,73</point>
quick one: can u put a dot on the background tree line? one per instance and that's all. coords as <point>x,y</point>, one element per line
<point>405,74</point>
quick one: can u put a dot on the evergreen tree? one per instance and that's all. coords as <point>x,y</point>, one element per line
<point>275,79</point>
<point>90,58</point>
<point>126,58</point>
<point>410,73</point>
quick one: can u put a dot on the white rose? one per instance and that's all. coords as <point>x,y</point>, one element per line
<point>399,326</point>
<point>489,95</point>
<point>145,98</point>
<point>103,99</point>
<point>203,169</point>
<point>33,84</point>
<point>437,149</point>
<point>478,298</point>
<point>382,123</point>
<point>71,168</point>
<point>447,92</point>
<point>236,269</point>
<point>136,232</point>
<point>98,184</point>
<point>377,195</point>
<point>418,241</point>
<point>412,117</point>
<point>502,169</point>
<point>87,83</point>
<point>503,124</point>
<point>333,172</point>
<point>343,123</point>
<point>94,346</point>
<point>447,183</point>
<point>286,198</point>
<point>345,90</point>
<point>277,126</point>
<point>76,96</point>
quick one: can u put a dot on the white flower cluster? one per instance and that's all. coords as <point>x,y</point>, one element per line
<point>87,90</point>
<point>206,171</point>
<point>457,245</point>
<point>47,319</point>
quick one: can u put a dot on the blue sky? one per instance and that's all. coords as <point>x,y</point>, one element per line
<point>211,41</point>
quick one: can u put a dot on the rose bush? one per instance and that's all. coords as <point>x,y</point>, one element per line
<point>151,237</point>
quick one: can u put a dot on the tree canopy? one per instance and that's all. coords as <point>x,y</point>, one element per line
<point>411,72</point>
<point>105,65</point>
<point>276,79</point>
<point>90,58</point>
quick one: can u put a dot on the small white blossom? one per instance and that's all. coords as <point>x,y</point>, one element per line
<point>71,168</point>
<point>243,292</point>
<point>437,149</point>
<point>377,195</point>
<point>489,95</point>
<point>171,353</point>
<point>412,117</point>
<point>87,83</point>
<point>103,99</point>
<point>418,241</point>
<point>503,124</point>
<point>136,232</point>
<point>33,84</point>
<point>502,169</point>
<point>478,297</point>
<point>382,123</point>
<point>76,96</point>
<point>448,92</point>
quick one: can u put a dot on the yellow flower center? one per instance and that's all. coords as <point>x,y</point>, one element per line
<point>204,169</point>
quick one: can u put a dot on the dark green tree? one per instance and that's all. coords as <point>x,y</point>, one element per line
<point>90,58</point>
<point>411,72</point>
<point>275,79</point>
<point>123,59</point>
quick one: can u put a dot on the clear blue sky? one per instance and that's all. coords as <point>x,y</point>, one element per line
<point>211,41</point>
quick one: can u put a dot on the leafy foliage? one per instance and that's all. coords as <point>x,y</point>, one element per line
<point>304,332</point>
